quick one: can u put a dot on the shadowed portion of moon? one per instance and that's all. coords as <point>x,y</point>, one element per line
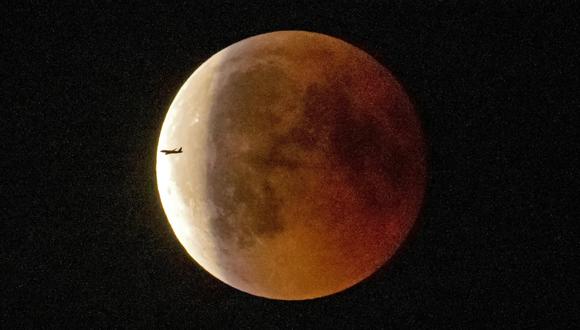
<point>242,135</point>
<point>357,145</point>
<point>310,169</point>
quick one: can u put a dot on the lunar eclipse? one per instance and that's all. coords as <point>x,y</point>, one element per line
<point>303,165</point>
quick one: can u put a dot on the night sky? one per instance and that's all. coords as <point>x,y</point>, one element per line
<point>85,89</point>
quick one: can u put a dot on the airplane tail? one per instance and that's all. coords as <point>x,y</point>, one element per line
<point>180,149</point>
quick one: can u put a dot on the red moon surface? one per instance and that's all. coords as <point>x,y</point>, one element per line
<point>303,165</point>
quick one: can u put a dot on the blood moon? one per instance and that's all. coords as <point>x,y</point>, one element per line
<point>302,169</point>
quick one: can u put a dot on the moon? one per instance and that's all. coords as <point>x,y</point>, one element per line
<point>303,165</point>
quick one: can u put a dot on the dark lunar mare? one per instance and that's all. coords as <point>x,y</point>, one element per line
<point>358,145</point>
<point>245,202</point>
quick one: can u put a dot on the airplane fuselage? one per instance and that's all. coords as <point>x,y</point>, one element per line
<point>174,151</point>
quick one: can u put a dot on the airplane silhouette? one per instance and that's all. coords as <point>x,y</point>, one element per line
<point>174,151</point>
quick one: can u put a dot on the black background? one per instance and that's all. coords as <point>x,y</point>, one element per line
<point>84,92</point>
